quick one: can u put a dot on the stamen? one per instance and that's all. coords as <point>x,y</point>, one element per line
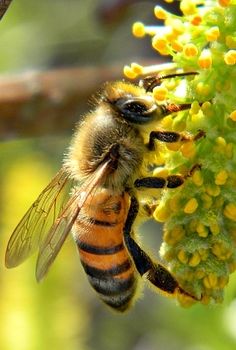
<point>191,206</point>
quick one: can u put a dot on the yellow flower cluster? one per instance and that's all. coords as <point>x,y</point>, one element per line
<point>199,217</point>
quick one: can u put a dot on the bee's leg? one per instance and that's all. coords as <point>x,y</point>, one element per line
<point>156,273</point>
<point>150,82</point>
<point>171,136</point>
<point>171,181</point>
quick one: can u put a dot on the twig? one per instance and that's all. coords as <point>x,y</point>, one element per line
<point>41,103</point>
<point>4,6</point>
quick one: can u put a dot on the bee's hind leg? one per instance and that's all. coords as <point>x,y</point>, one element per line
<point>156,273</point>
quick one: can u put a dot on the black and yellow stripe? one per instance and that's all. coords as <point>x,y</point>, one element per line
<point>98,250</point>
<point>104,257</point>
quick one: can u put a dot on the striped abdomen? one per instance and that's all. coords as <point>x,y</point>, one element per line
<point>98,233</point>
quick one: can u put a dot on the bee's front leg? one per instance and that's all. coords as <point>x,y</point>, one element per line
<point>171,136</point>
<point>151,81</point>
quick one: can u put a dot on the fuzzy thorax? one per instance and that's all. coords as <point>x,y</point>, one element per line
<point>97,133</point>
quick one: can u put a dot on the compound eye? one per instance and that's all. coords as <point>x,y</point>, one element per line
<point>137,110</point>
<point>135,107</point>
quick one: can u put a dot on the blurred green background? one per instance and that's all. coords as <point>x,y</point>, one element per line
<point>63,312</point>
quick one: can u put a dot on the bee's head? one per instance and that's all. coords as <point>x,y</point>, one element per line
<point>130,102</point>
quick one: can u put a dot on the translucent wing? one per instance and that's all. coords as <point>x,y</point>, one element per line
<point>58,233</point>
<point>28,234</point>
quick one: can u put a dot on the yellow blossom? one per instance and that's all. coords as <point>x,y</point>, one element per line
<point>176,45</point>
<point>205,59</point>
<point>233,115</point>
<point>182,256</point>
<point>210,281</point>
<point>160,13</point>
<point>159,43</point>
<point>161,213</point>
<point>230,211</point>
<point>188,149</point>
<point>230,41</point>
<point>191,206</point>
<point>213,190</point>
<point>138,29</point>
<point>224,3</point>
<point>190,50</point>
<point>214,227</point>
<point>129,73</point>
<point>137,68</point>
<point>203,89</point>
<point>188,7</point>
<point>212,34</point>
<point>175,235</point>
<point>197,178</point>
<point>230,57</point>
<point>221,177</point>
<point>196,20</point>
<point>202,230</point>
<point>195,259</point>
<point>160,93</point>
<point>207,200</point>
<point>221,141</point>
<point>200,217</point>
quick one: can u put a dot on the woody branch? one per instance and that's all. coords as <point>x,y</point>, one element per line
<point>4,6</point>
<point>50,102</point>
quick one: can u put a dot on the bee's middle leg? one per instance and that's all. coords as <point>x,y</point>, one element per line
<point>171,181</point>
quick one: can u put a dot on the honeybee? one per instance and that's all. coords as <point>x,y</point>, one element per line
<point>104,159</point>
